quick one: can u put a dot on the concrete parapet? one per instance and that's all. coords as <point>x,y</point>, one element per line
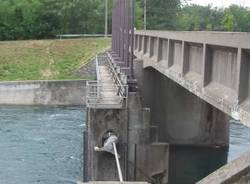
<point>237,171</point>
<point>212,65</point>
<point>64,92</point>
<point>112,182</point>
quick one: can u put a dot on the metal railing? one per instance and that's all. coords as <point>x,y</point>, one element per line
<point>95,99</point>
<point>96,90</point>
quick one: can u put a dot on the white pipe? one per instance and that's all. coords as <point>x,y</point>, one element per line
<point>117,163</point>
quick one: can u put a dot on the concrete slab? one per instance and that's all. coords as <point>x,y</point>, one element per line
<point>112,182</point>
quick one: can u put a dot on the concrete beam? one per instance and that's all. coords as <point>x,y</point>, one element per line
<point>214,66</point>
<point>112,182</point>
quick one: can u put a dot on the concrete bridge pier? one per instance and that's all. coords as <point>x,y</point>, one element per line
<point>142,156</point>
<point>101,166</point>
<point>148,159</point>
<point>182,118</point>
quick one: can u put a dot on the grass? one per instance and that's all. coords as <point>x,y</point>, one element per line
<point>47,59</point>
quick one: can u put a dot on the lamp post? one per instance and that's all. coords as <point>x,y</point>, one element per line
<point>145,14</point>
<point>106,18</point>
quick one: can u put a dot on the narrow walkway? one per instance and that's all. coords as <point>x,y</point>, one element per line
<point>113,182</point>
<point>107,92</point>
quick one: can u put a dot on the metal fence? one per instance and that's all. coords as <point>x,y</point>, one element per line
<point>98,93</point>
<point>123,34</point>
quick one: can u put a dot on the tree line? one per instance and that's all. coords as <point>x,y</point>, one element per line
<point>39,19</point>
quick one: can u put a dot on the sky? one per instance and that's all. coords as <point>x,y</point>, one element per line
<point>221,3</point>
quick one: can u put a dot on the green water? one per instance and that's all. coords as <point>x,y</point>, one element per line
<point>45,145</point>
<point>41,144</point>
<point>190,164</point>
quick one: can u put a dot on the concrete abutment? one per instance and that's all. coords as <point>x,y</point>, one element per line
<point>139,153</point>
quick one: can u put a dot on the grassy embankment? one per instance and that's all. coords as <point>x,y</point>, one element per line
<point>47,59</point>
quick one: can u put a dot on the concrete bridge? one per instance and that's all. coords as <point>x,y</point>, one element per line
<point>159,88</point>
<point>214,66</point>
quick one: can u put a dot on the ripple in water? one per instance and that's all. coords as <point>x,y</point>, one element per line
<point>45,145</point>
<point>41,144</point>
<point>239,140</point>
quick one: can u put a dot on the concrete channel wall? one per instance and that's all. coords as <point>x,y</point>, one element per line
<point>237,171</point>
<point>69,92</point>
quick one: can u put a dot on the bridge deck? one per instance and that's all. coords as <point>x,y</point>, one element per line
<point>112,182</point>
<point>214,66</point>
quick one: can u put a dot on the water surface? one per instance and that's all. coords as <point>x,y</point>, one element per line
<point>41,144</point>
<point>45,145</point>
<point>190,164</point>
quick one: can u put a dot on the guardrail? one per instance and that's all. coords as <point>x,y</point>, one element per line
<point>100,95</point>
<point>82,36</point>
<point>95,99</point>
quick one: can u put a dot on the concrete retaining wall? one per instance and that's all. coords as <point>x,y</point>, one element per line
<point>70,92</point>
<point>237,171</point>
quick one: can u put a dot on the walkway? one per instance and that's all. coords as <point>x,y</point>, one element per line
<point>107,92</point>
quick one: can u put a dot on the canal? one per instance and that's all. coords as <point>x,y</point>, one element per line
<point>41,144</point>
<point>190,164</point>
<point>45,145</point>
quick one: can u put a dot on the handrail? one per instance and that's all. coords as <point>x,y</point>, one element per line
<point>114,94</point>
<point>97,68</point>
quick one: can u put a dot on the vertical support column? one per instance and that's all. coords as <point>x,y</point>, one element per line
<point>145,44</point>
<point>156,49</point>
<point>101,165</point>
<point>106,18</point>
<point>159,49</point>
<point>136,42</point>
<point>206,65</point>
<point>185,58</point>
<point>242,76</point>
<point>140,43</point>
<point>170,53</point>
<point>151,46</point>
<point>240,93</point>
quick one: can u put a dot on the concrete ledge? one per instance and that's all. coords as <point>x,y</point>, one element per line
<point>113,182</point>
<point>237,171</point>
<point>63,92</point>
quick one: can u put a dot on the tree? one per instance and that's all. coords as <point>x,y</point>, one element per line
<point>228,21</point>
<point>162,14</point>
